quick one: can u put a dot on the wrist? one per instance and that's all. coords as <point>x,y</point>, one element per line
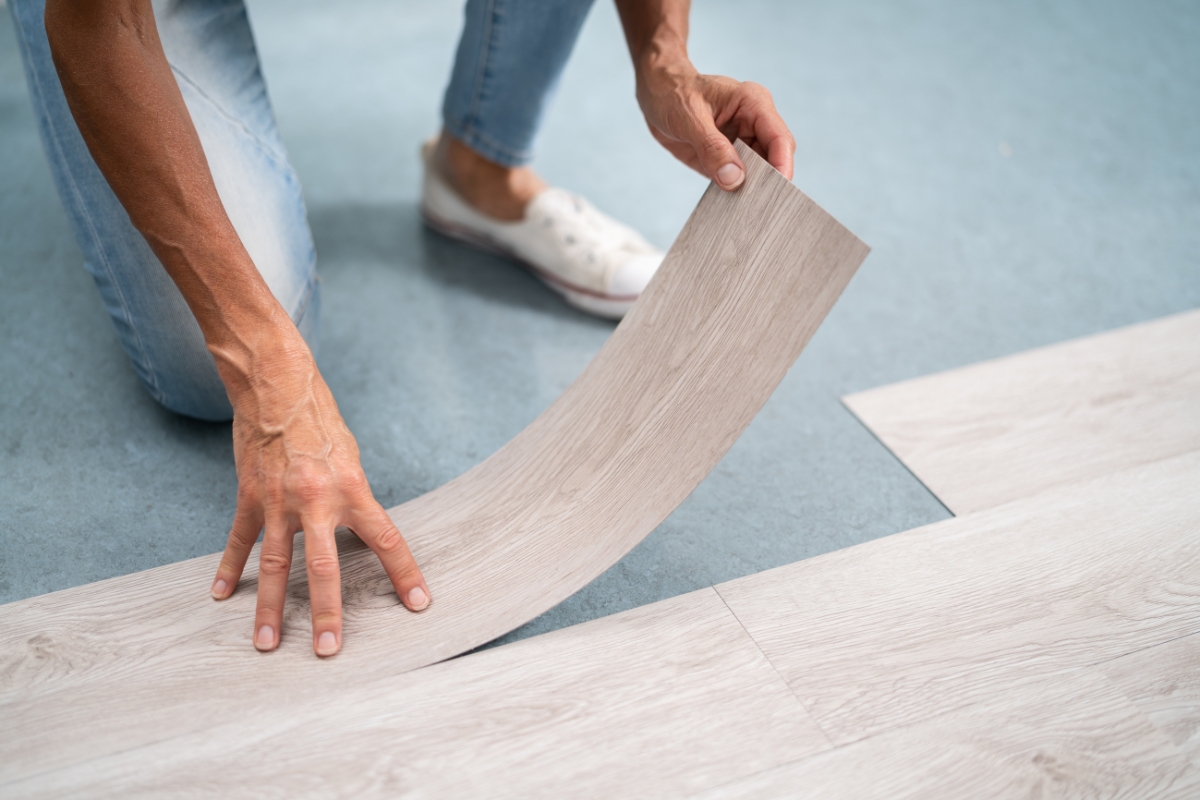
<point>260,352</point>
<point>664,54</point>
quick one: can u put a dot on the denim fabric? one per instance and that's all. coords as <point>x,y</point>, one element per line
<point>509,59</point>
<point>212,54</point>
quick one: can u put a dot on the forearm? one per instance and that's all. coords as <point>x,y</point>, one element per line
<point>655,30</point>
<point>132,116</point>
<point>696,117</point>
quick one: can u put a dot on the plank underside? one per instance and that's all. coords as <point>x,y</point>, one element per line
<point>136,659</point>
<point>1005,429</point>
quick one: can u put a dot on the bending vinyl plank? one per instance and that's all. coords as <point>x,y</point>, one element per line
<point>1074,736</point>
<point>1004,429</point>
<point>904,628</point>
<point>131,660</point>
<point>1164,682</point>
<point>660,701</point>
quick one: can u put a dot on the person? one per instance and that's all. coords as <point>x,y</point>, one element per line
<point>164,149</point>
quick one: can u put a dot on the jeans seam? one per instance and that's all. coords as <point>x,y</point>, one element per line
<point>481,74</point>
<point>278,159</point>
<point>85,213</point>
<point>469,126</point>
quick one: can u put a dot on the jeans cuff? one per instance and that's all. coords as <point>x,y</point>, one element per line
<point>485,146</point>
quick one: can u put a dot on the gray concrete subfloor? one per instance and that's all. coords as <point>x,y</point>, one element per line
<point>1025,172</point>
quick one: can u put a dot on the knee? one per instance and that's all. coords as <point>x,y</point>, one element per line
<point>186,383</point>
<point>203,402</point>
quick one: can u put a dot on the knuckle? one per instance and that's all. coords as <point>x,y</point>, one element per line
<point>268,609</point>
<point>242,537</point>
<point>756,89</point>
<point>389,540</point>
<point>309,485</point>
<point>326,620</point>
<point>323,565</point>
<point>408,571</point>
<point>274,564</point>
<point>715,145</point>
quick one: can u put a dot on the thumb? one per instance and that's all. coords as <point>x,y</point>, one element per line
<point>718,159</point>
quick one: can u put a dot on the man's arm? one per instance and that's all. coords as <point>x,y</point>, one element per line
<point>696,116</point>
<point>298,465</point>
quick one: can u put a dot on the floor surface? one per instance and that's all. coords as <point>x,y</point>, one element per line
<point>1024,175</point>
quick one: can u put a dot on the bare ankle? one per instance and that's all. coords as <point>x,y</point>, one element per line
<point>496,190</point>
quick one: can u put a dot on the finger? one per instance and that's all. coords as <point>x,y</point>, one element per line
<point>718,160</point>
<point>776,140</point>
<point>680,149</point>
<point>772,138</point>
<point>247,524</point>
<point>274,565</point>
<point>324,586</point>
<point>375,527</point>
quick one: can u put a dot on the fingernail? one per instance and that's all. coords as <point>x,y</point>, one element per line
<point>326,644</point>
<point>730,176</point>
<point>218,589</point>
<point>266,638</point>
<point>417,599</point>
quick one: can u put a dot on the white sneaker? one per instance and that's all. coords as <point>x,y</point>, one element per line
<point>595,263</point>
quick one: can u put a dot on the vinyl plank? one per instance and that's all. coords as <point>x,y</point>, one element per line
<point>897,630</point>
<point>662,700</point>
<point>740,293</point>
<point>1164,682</point>
<point>1004,429</point>
<point>1074,736</point>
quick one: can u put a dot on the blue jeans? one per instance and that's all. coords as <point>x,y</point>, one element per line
<point>509,59</point>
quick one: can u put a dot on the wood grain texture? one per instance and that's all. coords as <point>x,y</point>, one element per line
<point>1004,429</point>
<point>1164,682</point>
<point>899,630</point>
<point>660,701</point>
<point>1073,736</point>
<point>135,659</point>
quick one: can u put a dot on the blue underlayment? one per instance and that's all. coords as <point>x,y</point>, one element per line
<point>1026,172</point>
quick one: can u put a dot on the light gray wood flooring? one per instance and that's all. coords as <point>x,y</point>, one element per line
<point>1164,682</point>
<point>1045,645</point>
<point>662,700</point>
<point>125,662</point>
<point>1004,429</point>
<point>1073,735</point>
<point>1001,654</point>
<point>893,631</point>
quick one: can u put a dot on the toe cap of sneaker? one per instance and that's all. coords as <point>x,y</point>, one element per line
<point>632,276</point>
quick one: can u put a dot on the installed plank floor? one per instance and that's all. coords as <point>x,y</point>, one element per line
<point>984,643</point>
<point>664,700</point>
<point>1071,736</point>
<point>744,287</point>
<point>1000,430</point>
<point>1164,682</point>
<point>901,629</point>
